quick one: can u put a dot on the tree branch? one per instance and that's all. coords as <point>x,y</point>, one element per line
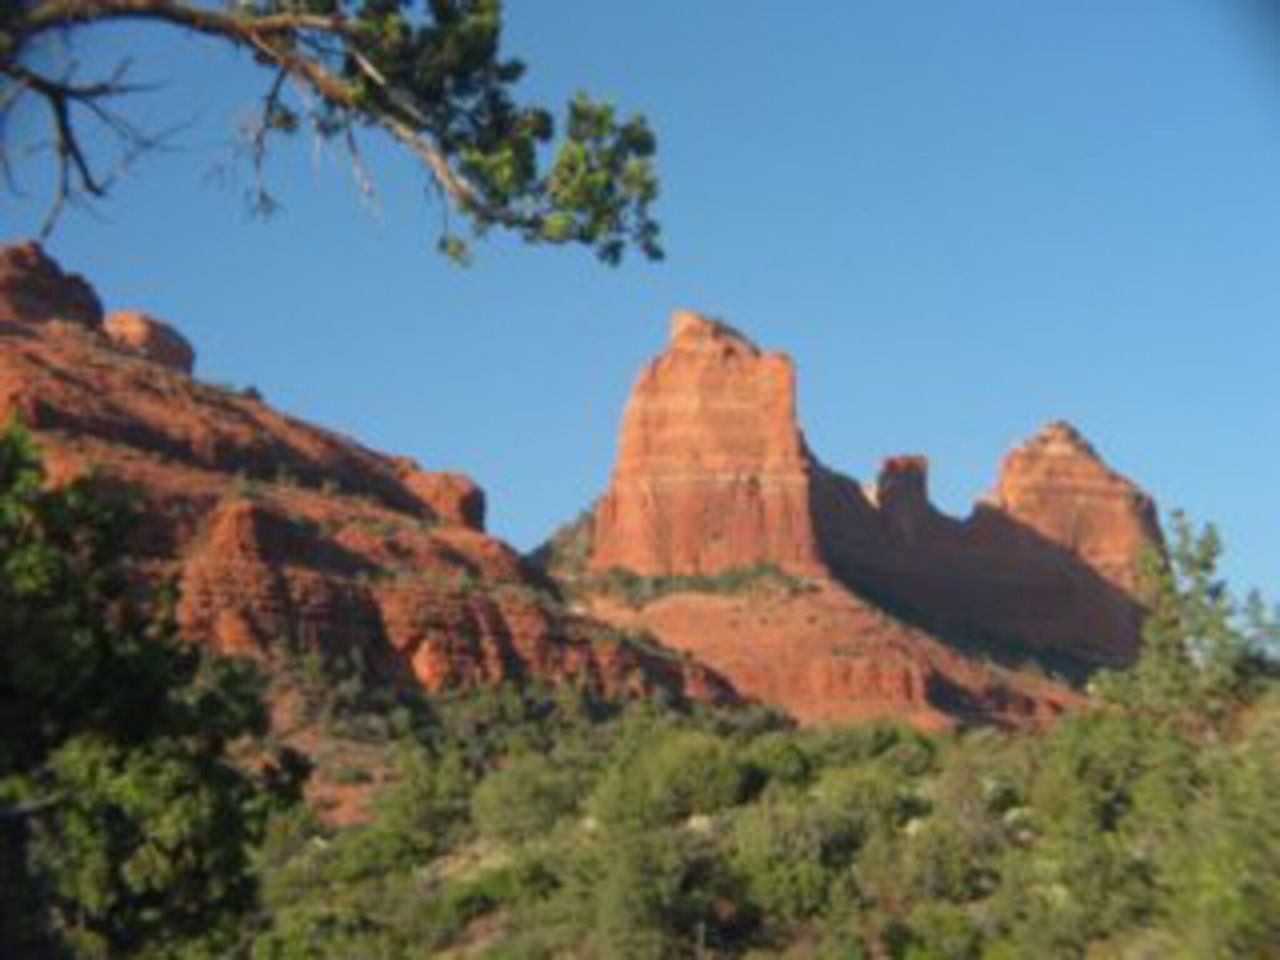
<point>269,36</point>
<point>24,811</point>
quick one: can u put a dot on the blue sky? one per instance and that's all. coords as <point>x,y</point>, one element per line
<point>961,220</point>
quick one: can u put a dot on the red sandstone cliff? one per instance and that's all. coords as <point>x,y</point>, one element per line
<point>281,532</point>
<point>1049,562</point>
<point>824,655</point>
<point>713,474</point>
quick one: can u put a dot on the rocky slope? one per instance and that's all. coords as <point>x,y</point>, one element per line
<point>825,655</point>
<point>284,535</point>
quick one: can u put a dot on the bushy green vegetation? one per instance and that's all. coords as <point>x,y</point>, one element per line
<point>1146,825</point>
<point>549,822</point>
<point>126,823</point>
<point>638,590</point>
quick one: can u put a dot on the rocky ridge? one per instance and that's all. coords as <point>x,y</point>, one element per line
<point>284,535</point>
<point>713,474</point>
<point>281,534</point>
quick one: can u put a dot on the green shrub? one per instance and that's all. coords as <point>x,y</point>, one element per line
<point>522,799</point>
<point>682,774</point>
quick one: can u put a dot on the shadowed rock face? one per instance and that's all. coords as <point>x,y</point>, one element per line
<point>33,289</point>
<point>713,473</point>
<point>1049,562</point>
<point>279,532</point>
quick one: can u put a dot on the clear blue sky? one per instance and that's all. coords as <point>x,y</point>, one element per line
<point>961,219</point>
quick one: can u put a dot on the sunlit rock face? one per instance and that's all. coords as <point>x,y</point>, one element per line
<point>712,471</point>
<point>283,534</point>
<point>713,474</point>
<point>143,335</point>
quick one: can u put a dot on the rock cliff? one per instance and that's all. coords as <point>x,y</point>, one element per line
<point>712,471</point>
<point>713,475</point>
<point>152,339</point>
<point>1048,562</point>
<point>280,533</point>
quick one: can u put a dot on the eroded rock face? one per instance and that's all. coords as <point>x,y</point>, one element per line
<point>139,333</point>
<point>33,289</point>
<point>712,471</point>
<point>713,474</point>
<point>454,498</point>
<point>1057,485</point>
<point>1048,562</point>
<point>282,534</point>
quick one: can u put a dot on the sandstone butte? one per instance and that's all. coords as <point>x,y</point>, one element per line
<point>280,533</point>
<point>713,474</point>
<point>283,534</point>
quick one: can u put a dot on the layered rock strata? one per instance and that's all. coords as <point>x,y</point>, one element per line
<point>713,474</point>
<point>282,534</point>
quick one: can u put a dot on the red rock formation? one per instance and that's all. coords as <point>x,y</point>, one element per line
<point>712,472</point>
<point>33,289</point>
<point>823,655</point>
<point>453,497</point>
<point>136,332</point>
<point>281,533</point>
<point>1049,562</point>
<point>1056,485</point>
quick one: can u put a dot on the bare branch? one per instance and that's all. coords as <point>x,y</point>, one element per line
<point>75,176</point>
<point>272,37</point>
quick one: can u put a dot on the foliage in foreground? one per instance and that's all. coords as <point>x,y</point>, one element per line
<point>126,827</point>
<point>1148,825</point>
<point>539,823</point>
<point>430,75</point>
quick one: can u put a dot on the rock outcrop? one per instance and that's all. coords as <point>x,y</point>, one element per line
<point>33,289</point>
<point>286,536</point>
<point>712,471</point>
<point>713,474</point>
<point>139,333</point>
<point>1056,485</point>
<point>1048,562</point>
<point>453,497</point>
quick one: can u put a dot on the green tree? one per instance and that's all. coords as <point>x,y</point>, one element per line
<point>429,74</point>
<point>522,799</point>
<point>129,827</point>
<point>674,776</point>
<point>1202,653</point>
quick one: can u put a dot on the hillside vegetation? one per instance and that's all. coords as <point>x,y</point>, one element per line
<point>143,816</point>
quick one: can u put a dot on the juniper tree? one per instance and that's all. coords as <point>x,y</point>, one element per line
<point>429,74</point>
